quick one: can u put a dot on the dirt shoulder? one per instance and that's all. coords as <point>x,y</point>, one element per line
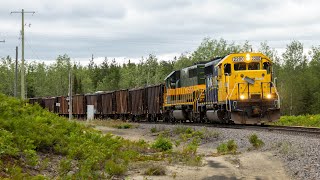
<point>244,165</point>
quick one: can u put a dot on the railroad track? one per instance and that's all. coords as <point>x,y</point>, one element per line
<point>310,131</point>
<point>295,129</point>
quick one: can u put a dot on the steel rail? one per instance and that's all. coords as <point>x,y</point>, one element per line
<point>269,128</point>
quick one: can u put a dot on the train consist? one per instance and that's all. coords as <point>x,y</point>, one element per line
<point>237,88</point>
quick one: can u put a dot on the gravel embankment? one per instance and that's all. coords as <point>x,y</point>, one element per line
<point>300,154</point>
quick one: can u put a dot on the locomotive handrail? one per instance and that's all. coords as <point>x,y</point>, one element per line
<point>228,98</point>
<point>275,89</point>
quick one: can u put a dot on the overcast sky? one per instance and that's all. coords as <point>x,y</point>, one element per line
<point>135,28</point>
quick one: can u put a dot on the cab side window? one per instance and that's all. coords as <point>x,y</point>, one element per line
<point>227,69</point>
<point>267,66</point>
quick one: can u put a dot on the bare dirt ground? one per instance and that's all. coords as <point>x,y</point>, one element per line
<point>246,165</point>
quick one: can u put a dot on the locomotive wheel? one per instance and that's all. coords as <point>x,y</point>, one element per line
<point>223,116</point>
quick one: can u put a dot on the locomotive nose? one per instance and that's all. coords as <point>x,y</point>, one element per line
<point>256,110</point>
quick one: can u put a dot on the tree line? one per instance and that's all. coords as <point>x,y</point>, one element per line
<point>297,72</point>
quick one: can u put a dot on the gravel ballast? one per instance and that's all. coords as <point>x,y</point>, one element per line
<point>299,153</point>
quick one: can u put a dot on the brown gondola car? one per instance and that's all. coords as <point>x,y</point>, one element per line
<point>137,103</point>
<point>94,99</point>
<point>122,110</point>
<point>36,101</point>
<point>62,105</point>
<point>79,106</point>
<point>49,103</point>
<point>107,107</point>
<point>154,101</point>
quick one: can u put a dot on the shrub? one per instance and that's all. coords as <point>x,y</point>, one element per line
<point>113,168</point>
<point>182,130</point>
<point>192,147</point>
<point>153,130</point>
<point>255,141</point>
<point>163,144</point>
<point>228,148</point>
<point>155,170</point>
<point>222,148</point>
<point>189,131</point>
<point>27,130</point>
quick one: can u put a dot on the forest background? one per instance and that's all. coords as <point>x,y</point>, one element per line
<point>297,72</point>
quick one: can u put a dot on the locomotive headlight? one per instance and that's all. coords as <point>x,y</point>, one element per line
<point>242,97</point>
<point>269,96</point>
<point>248,57</point>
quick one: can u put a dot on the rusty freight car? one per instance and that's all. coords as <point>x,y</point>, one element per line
<point>107,107</point>
<point>154,102</point>
<point>137,104</point>
<point>95,100</point>
<point>49,103</point>
<point>36,100</point>
<point>79,106</point>
<point>122,110</point>
<point>62,106</point>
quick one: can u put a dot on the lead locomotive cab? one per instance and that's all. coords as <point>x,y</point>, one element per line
<point>247,90</point>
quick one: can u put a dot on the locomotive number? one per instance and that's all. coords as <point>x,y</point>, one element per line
<point>238,59</point>
<point>256,58</point>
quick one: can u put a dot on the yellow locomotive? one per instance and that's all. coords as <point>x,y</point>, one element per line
<point>237,88</point>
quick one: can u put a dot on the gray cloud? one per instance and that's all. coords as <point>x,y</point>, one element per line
<point>133,28</point>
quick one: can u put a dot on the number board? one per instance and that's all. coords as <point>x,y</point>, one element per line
<point>256,58</point>
<point>238,59</point>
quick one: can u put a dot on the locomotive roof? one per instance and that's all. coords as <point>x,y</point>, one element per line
<point>214,61</point>
<point>243,55</point>
<point>171,74</point>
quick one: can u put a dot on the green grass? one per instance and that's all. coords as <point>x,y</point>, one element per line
<point>255,141</point>
<point>124,126</point>
<point>114,124</point>
<point>302,120</point>
<point>229,147</point>
<point>27,131</point>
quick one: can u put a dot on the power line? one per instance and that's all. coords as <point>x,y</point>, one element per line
<point>22,49</point>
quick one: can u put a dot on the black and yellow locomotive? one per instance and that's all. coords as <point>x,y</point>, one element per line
<point>237,88</point>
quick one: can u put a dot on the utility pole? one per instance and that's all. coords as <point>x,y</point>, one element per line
<point>22,50</point>
<point>16,74</point>
<point>70,94</point>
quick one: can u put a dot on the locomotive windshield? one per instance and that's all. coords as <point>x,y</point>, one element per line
<point>240,66</point>
<point>254,66</point>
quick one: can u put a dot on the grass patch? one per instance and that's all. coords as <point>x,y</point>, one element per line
<point>302,120</point>
<point>185,159</point>
<point>155,170</point>
<point>162,143</point>
<point>124,126</point>
<point>160,129</point>
<point>114,124</point>
<point>227,148</point>
<point>255,141</point>
<point>154,130</point>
